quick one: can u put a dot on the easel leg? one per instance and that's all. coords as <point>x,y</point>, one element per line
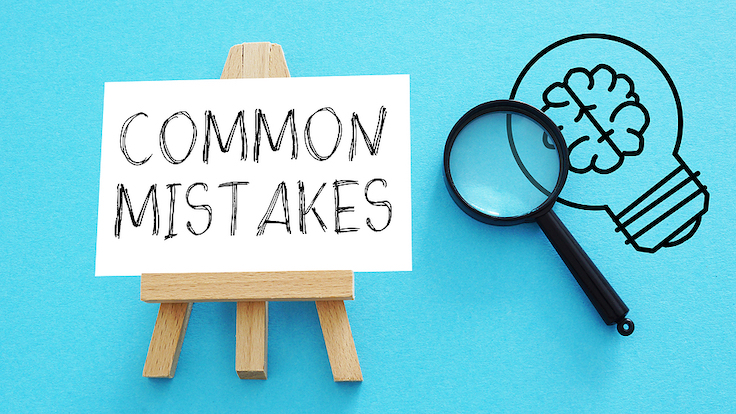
<point>339,340</point>
<point>251,340</point>
<point>168,335</point>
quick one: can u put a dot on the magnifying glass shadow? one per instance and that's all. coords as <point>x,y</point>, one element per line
<point>505,163</point>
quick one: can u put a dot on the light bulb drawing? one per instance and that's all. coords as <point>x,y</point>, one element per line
<point>622,120</point>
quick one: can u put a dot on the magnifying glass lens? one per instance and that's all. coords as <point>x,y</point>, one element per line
<point>504,164</point>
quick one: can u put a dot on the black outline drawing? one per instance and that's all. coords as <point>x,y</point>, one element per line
<point>642,204</point>
<point>585,111</point>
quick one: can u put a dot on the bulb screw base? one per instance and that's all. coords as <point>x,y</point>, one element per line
<point>667,214</point>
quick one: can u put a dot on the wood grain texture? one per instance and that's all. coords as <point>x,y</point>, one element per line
<point>339,341</point>
<point>166,340</point>
<point>247,286</point>
<point>277,62</point>
<point>234,64</point>
<point>251,340</point>
<point>255,60</point>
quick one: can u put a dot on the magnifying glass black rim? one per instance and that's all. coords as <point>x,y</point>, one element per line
<point>540,118</point>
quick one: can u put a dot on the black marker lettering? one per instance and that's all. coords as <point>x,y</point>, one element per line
<point>206,207</point>
<point>303,211</point>
<point>308,138</point>
<point>340,209</point>
<point>123,146</point>
<point>261,123</point>
<point>280,191</point>
<point>382,203</point>
<point>211,123</point>
<point>372,146</point>
<point>172,191</point>
<point>234,215</point>
<point>162,138</point>
<point>123,196</point>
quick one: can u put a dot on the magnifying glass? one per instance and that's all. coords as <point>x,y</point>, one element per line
<point>505,163</point>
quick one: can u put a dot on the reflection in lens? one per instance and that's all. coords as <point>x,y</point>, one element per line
<point>521,152</point>
<point>502,165</point>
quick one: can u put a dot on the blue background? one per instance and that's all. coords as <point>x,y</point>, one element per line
<point>489,320</point>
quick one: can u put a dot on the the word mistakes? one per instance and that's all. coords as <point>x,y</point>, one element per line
<point>139,129</point>
<point>230,198</point>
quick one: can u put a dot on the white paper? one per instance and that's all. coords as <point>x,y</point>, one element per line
<point>157,155</point>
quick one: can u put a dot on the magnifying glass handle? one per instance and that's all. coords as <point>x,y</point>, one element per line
<point>606,301</point>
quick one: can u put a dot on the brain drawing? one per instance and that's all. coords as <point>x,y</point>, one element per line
<point>600,116</point>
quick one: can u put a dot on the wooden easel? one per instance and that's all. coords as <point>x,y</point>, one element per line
<point>252,291</point>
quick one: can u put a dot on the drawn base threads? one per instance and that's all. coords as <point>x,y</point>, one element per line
<point>667,214</point>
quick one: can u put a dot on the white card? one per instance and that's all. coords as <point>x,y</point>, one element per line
<point>176,198</point>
